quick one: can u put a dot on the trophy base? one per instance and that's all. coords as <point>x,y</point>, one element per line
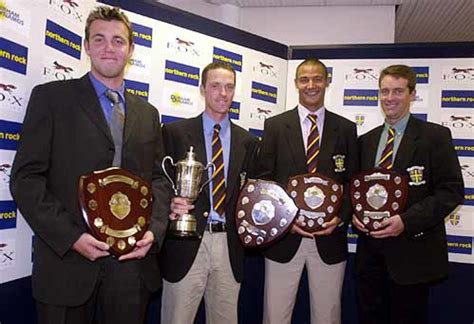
<point>184,227</point>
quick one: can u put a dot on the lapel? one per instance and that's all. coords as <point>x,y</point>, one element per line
<point>408,144</point>
<point>370,148</point>
<point>292,132</point>
<point>132,115</point>
<point>329,141</point>
<point>195,136</point>
<point>236,158</point>
<point>89,102</point>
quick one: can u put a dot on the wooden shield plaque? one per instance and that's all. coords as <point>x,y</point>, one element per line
<point>116,206</point>
<point>318,197</point>
<point>377,194</point>
<point>264,213</point>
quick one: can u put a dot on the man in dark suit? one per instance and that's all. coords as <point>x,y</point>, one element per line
<point>212,265</point>
<point>284,154</point>
<point>67,133</point>
<point>397,263</point>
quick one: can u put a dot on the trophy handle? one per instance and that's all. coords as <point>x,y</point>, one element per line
<point>163,166</point>
<point>209,165</point>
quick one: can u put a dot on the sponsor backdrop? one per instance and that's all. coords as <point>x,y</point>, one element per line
<point>445,95</point>
<point>42,41</point>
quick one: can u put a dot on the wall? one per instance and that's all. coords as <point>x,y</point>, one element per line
<point>322,25</point>
<point>303,25</point>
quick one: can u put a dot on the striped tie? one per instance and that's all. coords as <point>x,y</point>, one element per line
<point>312,151</point>
<point>218,178</point>
<point>386,160</point>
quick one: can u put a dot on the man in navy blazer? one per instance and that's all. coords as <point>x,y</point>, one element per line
<point>66,134</point>
<point>397,263</point>
<point>283,155</point>
<point>211,266</point>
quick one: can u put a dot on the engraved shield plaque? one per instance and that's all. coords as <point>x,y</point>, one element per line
<point>377,194</point>
<point>264,213</point>
<point>318,197</point>
<point>116,206</point>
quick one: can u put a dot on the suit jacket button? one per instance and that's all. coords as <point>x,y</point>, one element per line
<point>205,214</point>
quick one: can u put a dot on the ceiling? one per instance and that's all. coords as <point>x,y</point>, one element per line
<point>417,21</point>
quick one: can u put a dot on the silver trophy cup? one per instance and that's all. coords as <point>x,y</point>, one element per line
<point>187,185</point>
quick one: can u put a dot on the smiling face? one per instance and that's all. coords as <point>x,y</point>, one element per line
<point>109,49</point>
<point>311,83</point>
<point>218,93</point>
<point>395,98</point>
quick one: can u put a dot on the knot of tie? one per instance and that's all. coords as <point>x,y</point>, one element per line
<point>217,128</point>
<point>391,132</point>
<point>113,96</point>
<point>313,119</point>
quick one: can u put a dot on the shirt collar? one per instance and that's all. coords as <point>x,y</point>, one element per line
<point>209,123</point>
<point>101,88</point>
<point>303,112</point>
<point>400,126</point>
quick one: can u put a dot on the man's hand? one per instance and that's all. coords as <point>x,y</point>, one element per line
<point>360,226</point>
<point>296,229</point>
<point>141,247</point>
<point>328,227</point>
<point>180,206</point>
<point>90,248</point>
<point>390,227</point>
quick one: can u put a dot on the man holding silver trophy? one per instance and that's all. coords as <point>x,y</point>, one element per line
<point>305,149</point>
<point>202,255</point>
<point>404,254</point>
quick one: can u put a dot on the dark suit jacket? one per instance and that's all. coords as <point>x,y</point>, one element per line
<point>177,256</point>
<point>282,155</point>
<point>419,254</point>
<point>65,135</point>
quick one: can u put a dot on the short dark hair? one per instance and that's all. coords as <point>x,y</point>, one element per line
<point>312,61</point>
<point>215,66</point>
<point>108,14</point>
<point>400,71</point>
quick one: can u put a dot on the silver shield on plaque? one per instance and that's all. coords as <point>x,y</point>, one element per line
<point>377,196</point>
<point>263,212</point>
<point>314,197</point>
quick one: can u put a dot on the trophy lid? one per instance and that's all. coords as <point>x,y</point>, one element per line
<point>190,155</point>
<point>190,159</point>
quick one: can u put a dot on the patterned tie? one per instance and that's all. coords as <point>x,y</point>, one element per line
<point>117,121</point>
<point>386,160</point>
<point>312,151</point>
<point>218,178</point>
